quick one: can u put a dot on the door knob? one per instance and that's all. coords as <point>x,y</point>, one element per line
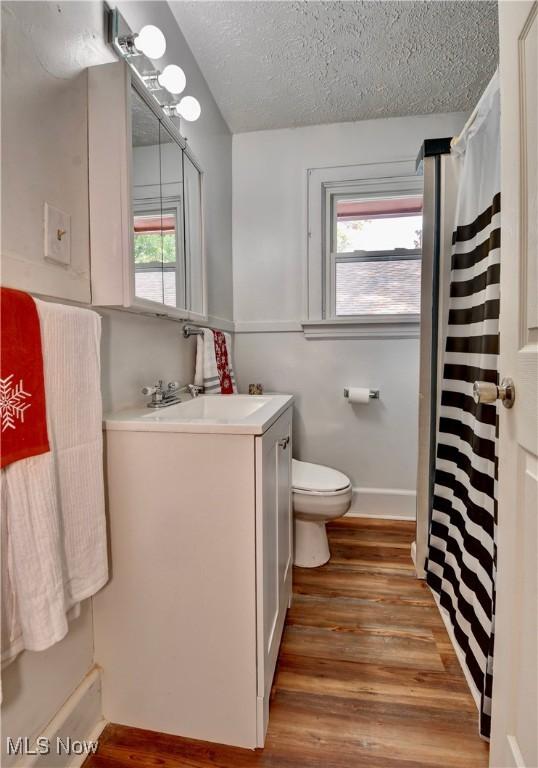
<point>487,392</point>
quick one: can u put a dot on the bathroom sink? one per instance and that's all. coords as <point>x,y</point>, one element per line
<point>220,407</point>
<point>236,414</point>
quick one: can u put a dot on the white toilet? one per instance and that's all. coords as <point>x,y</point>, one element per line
<point>319,494</point>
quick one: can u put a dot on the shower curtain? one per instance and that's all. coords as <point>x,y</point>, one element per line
<point>462,556</point>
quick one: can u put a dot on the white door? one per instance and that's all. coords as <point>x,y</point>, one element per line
<point>514,739</point>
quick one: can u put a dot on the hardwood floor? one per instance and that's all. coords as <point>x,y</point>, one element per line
<point>367,677</point>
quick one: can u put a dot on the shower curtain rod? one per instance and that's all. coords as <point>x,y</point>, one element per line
<point>472,117</point>
<point>469,122</point>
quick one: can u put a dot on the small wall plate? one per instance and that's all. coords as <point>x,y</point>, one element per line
<point>57,244</point>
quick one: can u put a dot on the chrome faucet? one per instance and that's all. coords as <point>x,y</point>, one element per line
<point>162,397</point>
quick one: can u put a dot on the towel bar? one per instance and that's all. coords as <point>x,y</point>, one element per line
<point>191,330</point>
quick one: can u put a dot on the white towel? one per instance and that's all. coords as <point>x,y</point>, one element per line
<point>54,503</point>
<point>207,367</point>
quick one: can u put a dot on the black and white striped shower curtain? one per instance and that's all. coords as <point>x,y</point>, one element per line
<point>462,555</point>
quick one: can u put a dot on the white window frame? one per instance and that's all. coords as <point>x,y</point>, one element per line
<point>324,185</point>
<point>174,204</point>
<point>353,257</point>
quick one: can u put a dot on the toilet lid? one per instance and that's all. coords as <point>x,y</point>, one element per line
<point>315,477</point>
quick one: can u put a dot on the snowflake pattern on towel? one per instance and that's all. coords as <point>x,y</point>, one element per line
<point>12,402</point>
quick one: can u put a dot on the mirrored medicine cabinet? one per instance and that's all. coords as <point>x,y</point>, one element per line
<point>146,230</point>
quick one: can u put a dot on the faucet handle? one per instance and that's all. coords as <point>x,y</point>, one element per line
<point>156,389</point>
<point>195,389</point>
<point>173,385</point>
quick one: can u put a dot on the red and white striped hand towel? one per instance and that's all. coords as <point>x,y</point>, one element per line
<point>214,369</point>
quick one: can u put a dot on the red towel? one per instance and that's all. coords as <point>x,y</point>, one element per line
<point>22,387</point>
<point>223,365</point>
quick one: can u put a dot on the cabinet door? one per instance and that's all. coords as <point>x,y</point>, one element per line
<point>194,242</point>
<point>146,197</point>
<point>171,158</point>
<point>273,553</point>
<point>146,202</point>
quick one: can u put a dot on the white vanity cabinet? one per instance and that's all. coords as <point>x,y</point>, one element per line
<point>188,629</point>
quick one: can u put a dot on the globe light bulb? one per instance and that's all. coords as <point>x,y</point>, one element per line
<point>173,79</point>
<point>151,42</point>
<point>189,108</point>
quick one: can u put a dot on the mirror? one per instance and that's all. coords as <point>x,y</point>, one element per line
<point>146,192</point>
<point>193,236</point>
<point>167,215</point>
<point>171,158</point>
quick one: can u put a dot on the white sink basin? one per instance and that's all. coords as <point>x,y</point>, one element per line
<point>220,407</point>
<point>236,414</point>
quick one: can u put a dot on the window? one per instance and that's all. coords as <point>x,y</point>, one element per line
<point>375,254</point>
<point>363,251</point>
<point>157,243</point>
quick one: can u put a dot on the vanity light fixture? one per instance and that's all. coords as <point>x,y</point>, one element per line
<point>173,79</point>
<point>150,41</point>
<point>151,80</point>
<point>139,51</point>
<point>188,108</point>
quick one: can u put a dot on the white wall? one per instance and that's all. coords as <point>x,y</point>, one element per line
<point>45,50</point>
<point>269,199</point>
<point>375,445</point>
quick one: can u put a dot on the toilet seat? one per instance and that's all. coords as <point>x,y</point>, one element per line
<point>317,480</point>
<point>328,494</point>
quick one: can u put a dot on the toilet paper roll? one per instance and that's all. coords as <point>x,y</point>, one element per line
<point>358,395</point>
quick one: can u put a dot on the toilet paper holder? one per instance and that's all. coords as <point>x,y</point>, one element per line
<point>373,394</point>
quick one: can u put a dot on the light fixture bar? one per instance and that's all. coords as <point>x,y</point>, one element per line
<point>151,80</point>
<point>127,46</point>
<point>143,48</point>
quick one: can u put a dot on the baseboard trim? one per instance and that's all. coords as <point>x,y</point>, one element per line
<point>514,752</point>
<point>365,515</point>
<point>459,653</point>
<point>383,503</point>
<point>79,719</point>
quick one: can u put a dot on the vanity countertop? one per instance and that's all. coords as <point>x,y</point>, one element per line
<point>206,414</point>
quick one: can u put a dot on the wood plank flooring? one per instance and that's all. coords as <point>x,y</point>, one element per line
<point>366,678</point>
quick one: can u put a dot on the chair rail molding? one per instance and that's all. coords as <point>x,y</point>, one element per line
<point>366,327</point>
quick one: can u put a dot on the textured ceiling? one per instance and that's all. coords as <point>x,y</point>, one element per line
<point>285,64</point>
<point>146,128</point>
<point>144,124</point>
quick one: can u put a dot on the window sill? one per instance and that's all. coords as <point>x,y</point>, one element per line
<point>364,327</point>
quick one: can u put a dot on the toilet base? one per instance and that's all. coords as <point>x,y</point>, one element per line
<point>311,544</point>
